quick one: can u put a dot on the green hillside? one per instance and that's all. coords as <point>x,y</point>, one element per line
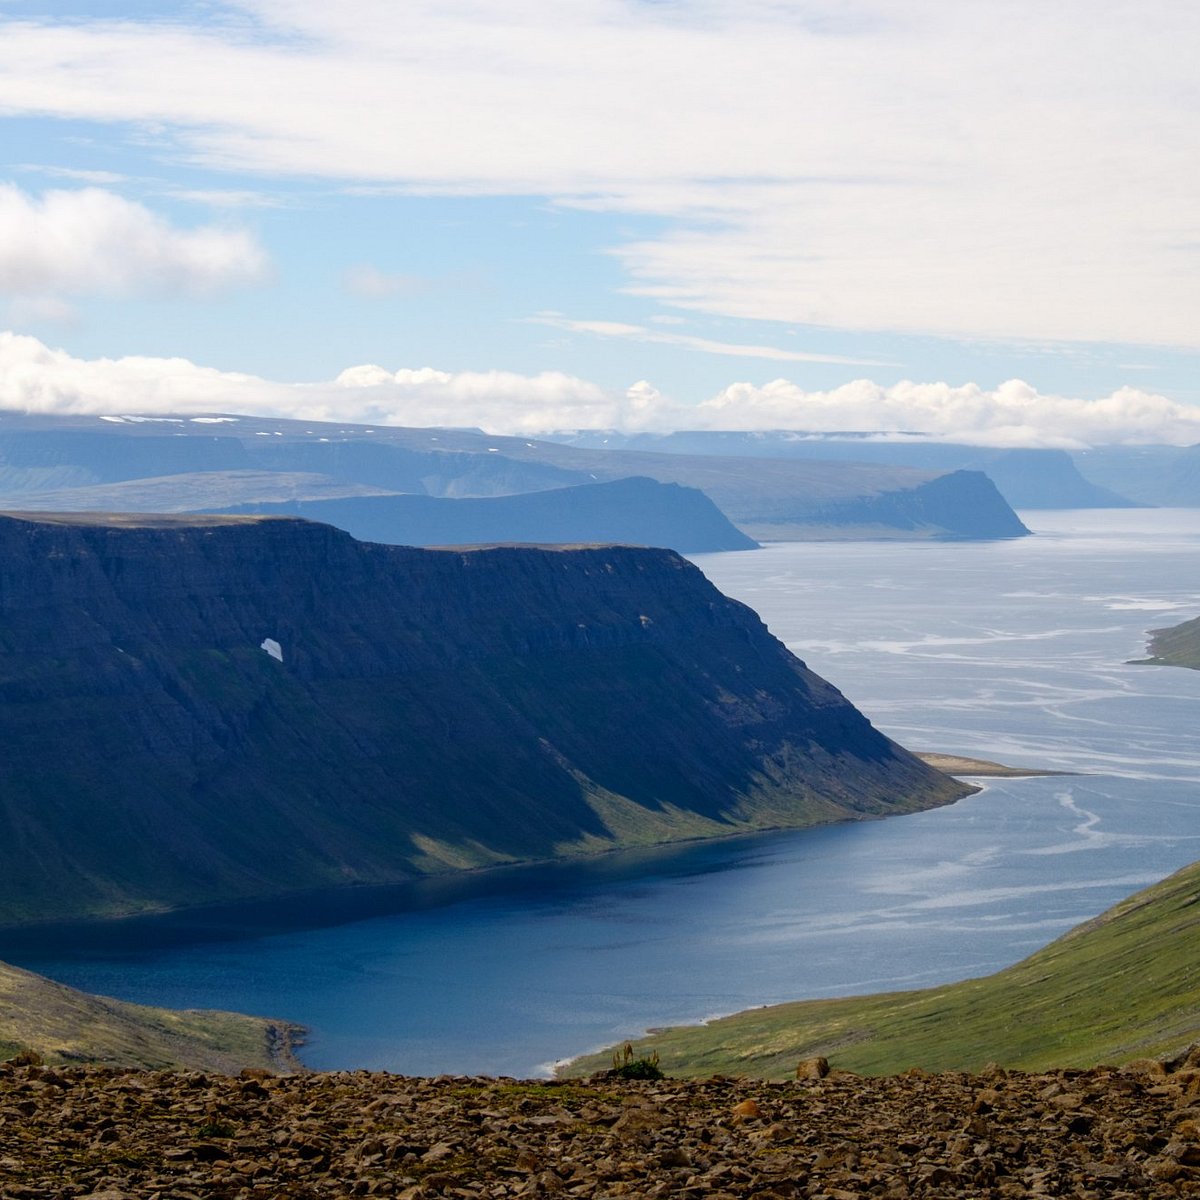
<point>63,1026</point>
<point>1178,646</point>
<point>1123,986</point>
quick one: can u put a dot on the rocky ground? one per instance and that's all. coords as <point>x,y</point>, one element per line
<point>111,1135</point>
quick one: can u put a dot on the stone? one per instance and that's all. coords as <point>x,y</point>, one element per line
<point>812,1068</point>
<point>327,1137</point>
<point>1151,1068</point>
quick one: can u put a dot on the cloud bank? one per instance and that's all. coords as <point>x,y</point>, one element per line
<point>991,169</point>
<point>94,242</point>
<point>36,378</point>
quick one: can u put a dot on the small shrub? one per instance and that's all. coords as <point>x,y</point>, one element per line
<point>216,1129</point>
<point>625,1066</point>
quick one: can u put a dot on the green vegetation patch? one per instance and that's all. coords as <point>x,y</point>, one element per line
<point>60,1025</point>
<point>1178,646</point>
<point>1123,986</point>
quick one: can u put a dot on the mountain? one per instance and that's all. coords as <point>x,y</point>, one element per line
<point>1027,478</point>
<point>787,499</point>
<point>40,453</point>
<point>62,1025</point>
<point>638,512</point>
<point>961,506</point>
<point>194,491</point>
<point>197,709</point>
<point>1122,986</point>
<point>1176,646</point>
<point>783,499</point>
<point>1168,476</point>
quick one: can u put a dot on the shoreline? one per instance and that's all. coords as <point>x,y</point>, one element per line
<point>449,876</point>
<point>982,768</point>
<point>285,1039</point>
<point>951,764</point>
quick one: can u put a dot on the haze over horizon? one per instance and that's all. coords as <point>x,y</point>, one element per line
<point>978,222</point>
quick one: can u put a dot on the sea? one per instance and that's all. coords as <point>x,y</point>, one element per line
<point>1018,651</point>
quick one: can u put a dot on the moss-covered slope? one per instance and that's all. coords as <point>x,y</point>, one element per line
<point>1123,986</point>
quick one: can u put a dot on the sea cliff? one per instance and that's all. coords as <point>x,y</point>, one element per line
<point>207,709</point>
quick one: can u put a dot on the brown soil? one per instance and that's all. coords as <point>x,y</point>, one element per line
<point>113,1135</point>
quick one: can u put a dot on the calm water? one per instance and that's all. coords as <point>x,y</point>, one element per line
<point>1013,651</point>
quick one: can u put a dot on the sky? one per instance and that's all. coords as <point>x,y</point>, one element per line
<point>978,220</point>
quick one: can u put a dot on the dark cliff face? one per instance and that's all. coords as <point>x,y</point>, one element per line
<point>432,709</point>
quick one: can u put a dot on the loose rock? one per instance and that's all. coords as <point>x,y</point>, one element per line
<point>102,1134</point>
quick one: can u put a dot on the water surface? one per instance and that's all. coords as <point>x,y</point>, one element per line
<point>1009,650</point>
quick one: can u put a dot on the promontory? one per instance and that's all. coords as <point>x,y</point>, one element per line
<point>203,709</point>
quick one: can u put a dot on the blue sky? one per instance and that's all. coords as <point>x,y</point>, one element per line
<point>609,212</point>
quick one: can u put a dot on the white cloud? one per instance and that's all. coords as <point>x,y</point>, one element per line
<point>35,378</point>
<point>639,333</point>
<point>497,401</point>
<point>54,310</point>
<point>996,168</point>
<point>78,174</point>
<point>1014,414</point>
<point>370,283</point>
<point>92,241</point>
<point>226,198</point>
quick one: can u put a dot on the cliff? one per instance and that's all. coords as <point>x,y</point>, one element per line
<point>961,506</point>
<point>203,709</point>
<point>799,499</point>
<point>639,512</point>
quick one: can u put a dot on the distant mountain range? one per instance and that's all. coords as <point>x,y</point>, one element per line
<point>191,464</point>
<point>629,511</point>
<point>196,709</point>
<point>624,511</point>
<point>1167,476</point>
<point>1027,478</point>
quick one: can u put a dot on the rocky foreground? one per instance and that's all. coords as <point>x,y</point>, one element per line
<point>111,1135</point>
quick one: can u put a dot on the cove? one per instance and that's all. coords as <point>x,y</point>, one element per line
<point>1015,651</point>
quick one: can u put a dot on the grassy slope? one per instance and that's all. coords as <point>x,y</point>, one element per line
<point>1123,986</point>
<point>64,1025</point>
<point>1178,646</point>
